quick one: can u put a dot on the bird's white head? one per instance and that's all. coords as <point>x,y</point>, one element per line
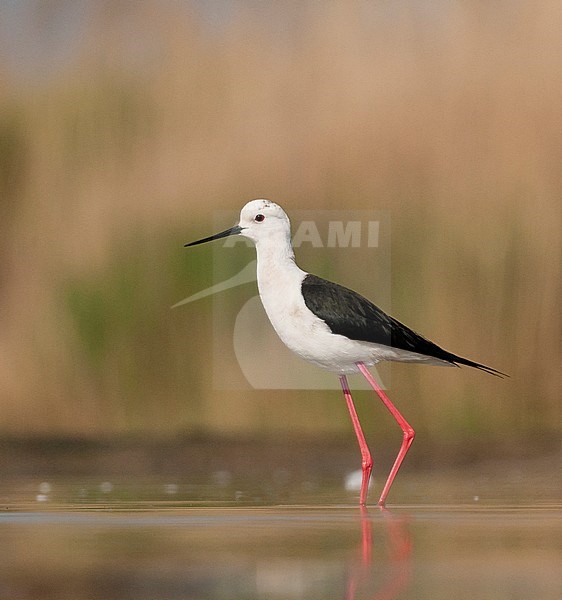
<point>266,224</point>
<point>262,220</point>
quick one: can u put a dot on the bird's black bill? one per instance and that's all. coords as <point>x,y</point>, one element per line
<point>232,231</point>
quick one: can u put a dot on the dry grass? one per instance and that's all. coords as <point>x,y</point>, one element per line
<point>450,120</point>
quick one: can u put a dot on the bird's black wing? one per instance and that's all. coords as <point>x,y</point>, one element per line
<point>349,314</point>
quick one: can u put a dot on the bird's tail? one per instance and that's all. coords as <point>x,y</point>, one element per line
<point>459,360</point>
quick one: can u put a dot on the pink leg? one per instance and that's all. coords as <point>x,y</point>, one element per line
<point>366,460</point>
<point>407,431</point>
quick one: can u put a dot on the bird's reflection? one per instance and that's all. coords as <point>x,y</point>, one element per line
<point>385,577</point>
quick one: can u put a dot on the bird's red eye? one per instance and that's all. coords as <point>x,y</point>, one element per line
<point>259,218</point>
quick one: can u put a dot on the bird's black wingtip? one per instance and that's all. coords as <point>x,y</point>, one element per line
<point>493,372</point>
<point>469,363</point>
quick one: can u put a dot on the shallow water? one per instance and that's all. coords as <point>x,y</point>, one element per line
<point>150,552</point>
<point>490,531</point>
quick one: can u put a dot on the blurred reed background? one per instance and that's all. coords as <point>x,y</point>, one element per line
<point>124,125</point>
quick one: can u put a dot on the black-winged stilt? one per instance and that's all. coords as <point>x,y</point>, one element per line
<point>330,325</point>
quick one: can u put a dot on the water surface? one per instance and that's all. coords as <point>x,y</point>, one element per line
<point>148,552</point>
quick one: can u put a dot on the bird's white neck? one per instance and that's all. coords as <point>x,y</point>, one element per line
<point>276,260</point>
